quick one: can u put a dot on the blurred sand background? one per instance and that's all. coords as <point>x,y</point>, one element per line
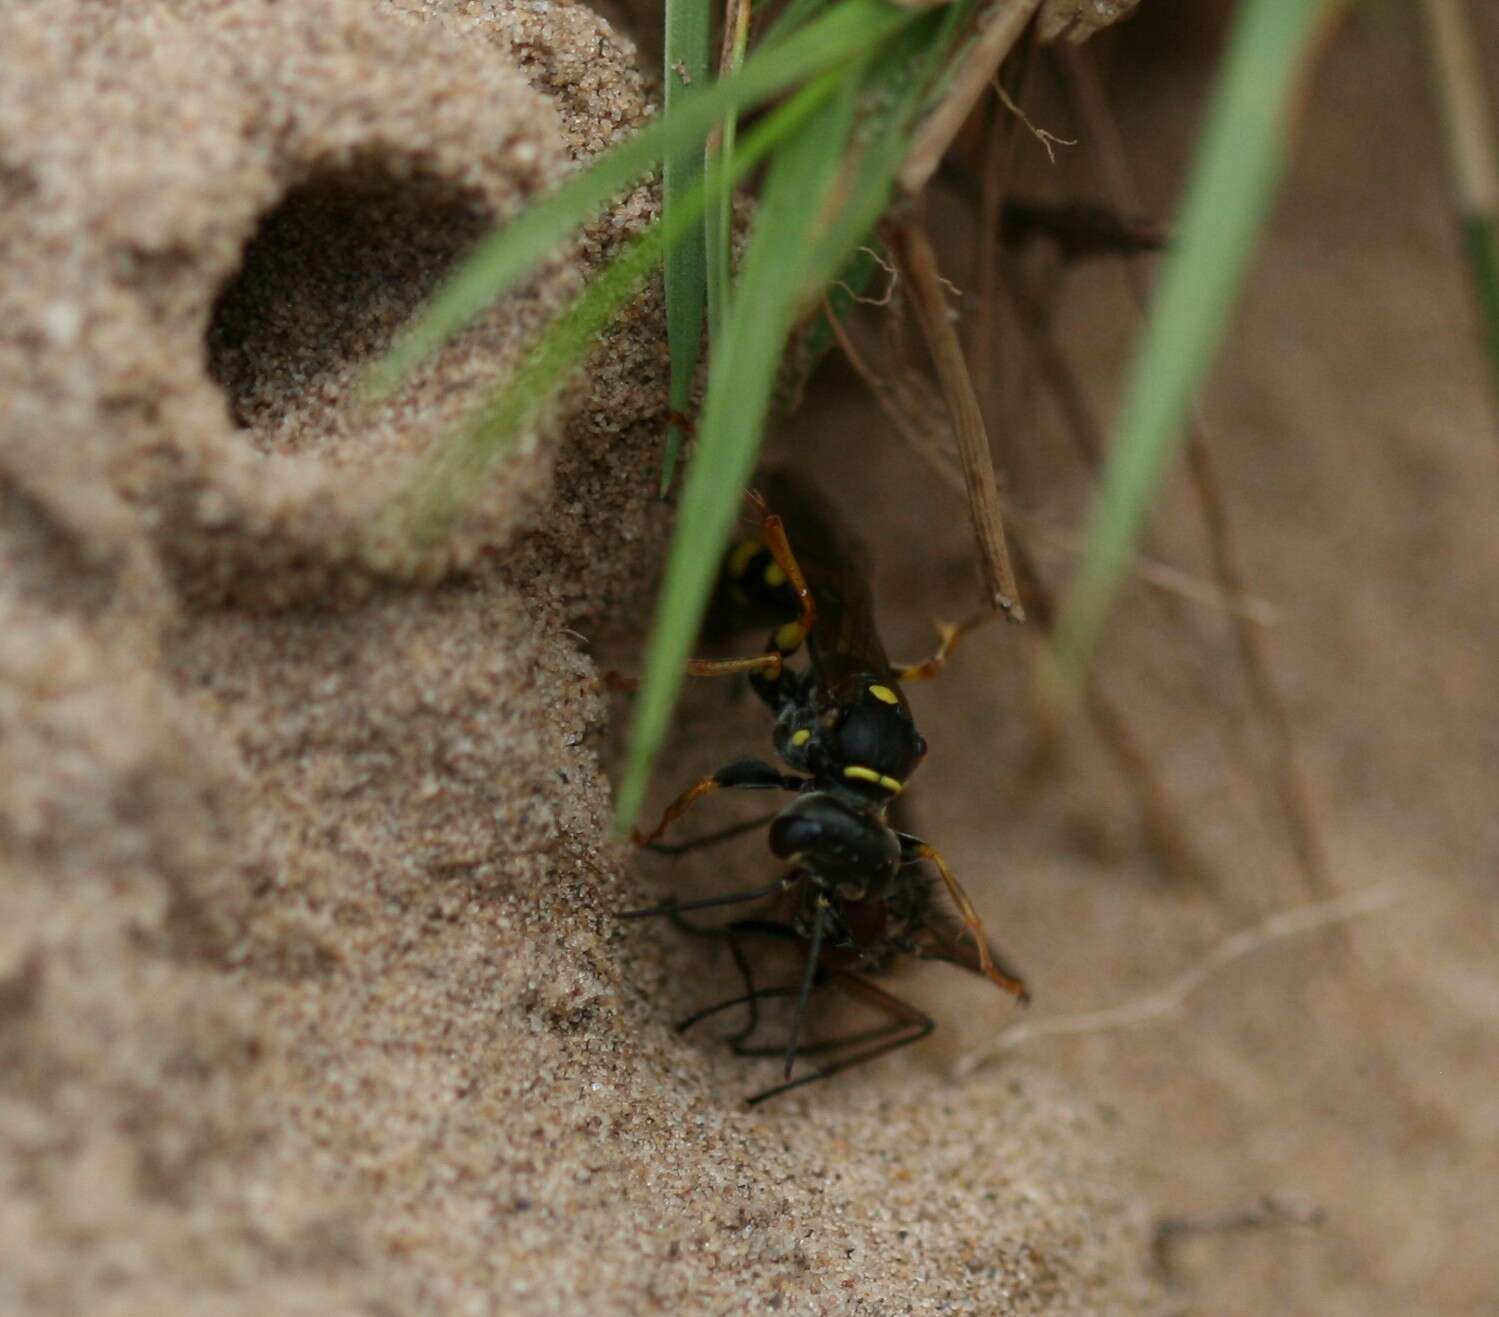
<point>311,997</point>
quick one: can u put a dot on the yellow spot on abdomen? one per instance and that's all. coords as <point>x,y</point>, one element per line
<point>800,738</point>
<point>744,552</point>
<point>789,637</point>
<point>884,693</point>
<point>775,578</point>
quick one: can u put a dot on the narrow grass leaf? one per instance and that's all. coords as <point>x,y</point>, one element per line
<point>425,511</point>
<point>688,38</point>
<point>1242,153</point>
<point>775,278</point>
<point>718,222</point>
<point>1467,124</point>
<point>512,252</point>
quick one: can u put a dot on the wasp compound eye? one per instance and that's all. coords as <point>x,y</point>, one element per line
<point>836,842</point>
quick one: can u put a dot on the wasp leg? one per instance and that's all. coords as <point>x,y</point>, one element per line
<point>767,665</point>
<point>730,934</point>
<point>784,641</point>
<point>708,839</point>
<point>734,934</point>
<point>948,635</point>
<point>671,909</point>
<point>952,945</point>
<point>916,849</point>
<point>742,775</point>
<point>766,668</point>
<point>774,531</point>
<point>911,1026</point>
<point>741,963</point>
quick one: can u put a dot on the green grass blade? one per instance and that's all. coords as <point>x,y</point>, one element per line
<point>511,253</point>
<point>794,15</point>
<point>916,64</point>
<point>825,192</point>
<point>424,512</point>
<point>910,72</point>
<point>776,276</point>
<point>1481,243</point>
<point>719,230</point>
<point>1467,125</point>
<point>718,223</point>
<point>1242,153</point>
<point>688,25</point>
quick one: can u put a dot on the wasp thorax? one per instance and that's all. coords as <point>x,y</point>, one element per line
<point>869,744</point>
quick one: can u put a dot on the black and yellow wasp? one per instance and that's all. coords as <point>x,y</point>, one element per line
<point>857,895</point>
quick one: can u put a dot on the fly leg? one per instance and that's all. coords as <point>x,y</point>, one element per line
<point>907,1025</point>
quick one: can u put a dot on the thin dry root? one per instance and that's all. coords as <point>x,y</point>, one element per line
<point>1170,999</point>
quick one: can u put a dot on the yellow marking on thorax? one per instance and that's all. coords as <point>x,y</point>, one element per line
<point>789,637</point>
<point>801,737</point>
<point>884,693</point>
<point>743,554</point>
<point>863,774</point>
<point>775,578</point>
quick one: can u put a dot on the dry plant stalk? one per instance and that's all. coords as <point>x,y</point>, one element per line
<point>998,32</point>
<point>1161,819</point>
<point>985,362</point>
<point>1160,576</point>
<point>912,247</point>
<point>911,404</point>
<point>1052,366</point>
<point>913,407</point>
<point>1266,1214</point>
<point>1465,103</point>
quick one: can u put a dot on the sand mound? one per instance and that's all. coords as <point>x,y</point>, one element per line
<point>311,997</point>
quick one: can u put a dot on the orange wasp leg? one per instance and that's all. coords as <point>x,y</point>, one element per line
<point>948,635</point>
<point>676,809</point>
<point>743,774</point>
<point>771,662</point>
<point>774,531</point>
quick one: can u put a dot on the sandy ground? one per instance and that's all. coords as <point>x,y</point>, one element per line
<point>1354,429</point>
<point>311,994</point>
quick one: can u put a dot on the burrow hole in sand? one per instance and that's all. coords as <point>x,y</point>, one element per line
<point>329,275</point>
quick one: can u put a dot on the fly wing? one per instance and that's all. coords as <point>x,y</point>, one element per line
<point>943,937</point>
